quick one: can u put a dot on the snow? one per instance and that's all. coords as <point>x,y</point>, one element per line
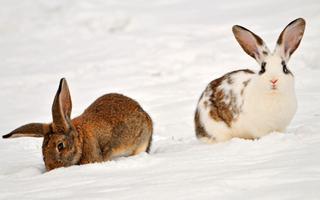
<point>162,53</point>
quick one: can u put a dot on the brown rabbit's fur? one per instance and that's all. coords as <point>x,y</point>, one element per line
<point>117,124</point>
<point>114,125</point>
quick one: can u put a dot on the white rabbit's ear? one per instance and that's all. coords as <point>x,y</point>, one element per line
<point>29,130</point>
<point>251,43</point>
<point>290,38</point>
<point>62,106</point>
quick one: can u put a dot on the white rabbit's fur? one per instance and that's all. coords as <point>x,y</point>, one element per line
<point>263,110</point>
<point>259,107</point>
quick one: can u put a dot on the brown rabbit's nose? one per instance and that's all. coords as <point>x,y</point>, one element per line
<point>273,81</point>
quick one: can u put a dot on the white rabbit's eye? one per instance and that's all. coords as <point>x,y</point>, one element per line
<point>263,68</point>
<point>60,146</point>
<point>284,67</point>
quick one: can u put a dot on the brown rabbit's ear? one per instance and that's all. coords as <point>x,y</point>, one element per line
<point>29,130</point>
<point>251,43</point>
<point>290,38</point>
<point>61,108</point>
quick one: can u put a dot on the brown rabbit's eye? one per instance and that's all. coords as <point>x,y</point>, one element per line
<point>60,146</point>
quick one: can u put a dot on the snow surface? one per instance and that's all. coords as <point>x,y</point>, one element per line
<point>162,53</point>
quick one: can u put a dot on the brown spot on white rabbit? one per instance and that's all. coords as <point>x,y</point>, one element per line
<point>245,84</point>
<point>229,80</point>
<point>206,104</point>
<point>223,107</point>
<point>112,123</point>
<point>200,131</point>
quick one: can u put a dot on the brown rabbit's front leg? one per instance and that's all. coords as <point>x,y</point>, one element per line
<point>91,151</point>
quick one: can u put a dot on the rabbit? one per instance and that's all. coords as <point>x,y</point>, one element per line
<point>250,104</point>
<point>112,126</point>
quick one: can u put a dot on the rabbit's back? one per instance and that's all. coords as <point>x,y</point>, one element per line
<point>112,106</point>
<point>119,125</point>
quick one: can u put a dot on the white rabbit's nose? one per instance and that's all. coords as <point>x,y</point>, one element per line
<point>273,81</point>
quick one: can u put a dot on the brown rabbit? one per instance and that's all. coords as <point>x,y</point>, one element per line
<point>113,126</point>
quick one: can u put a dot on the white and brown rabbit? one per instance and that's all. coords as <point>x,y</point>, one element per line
<point>249,104</point>
<point>113,126</point>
